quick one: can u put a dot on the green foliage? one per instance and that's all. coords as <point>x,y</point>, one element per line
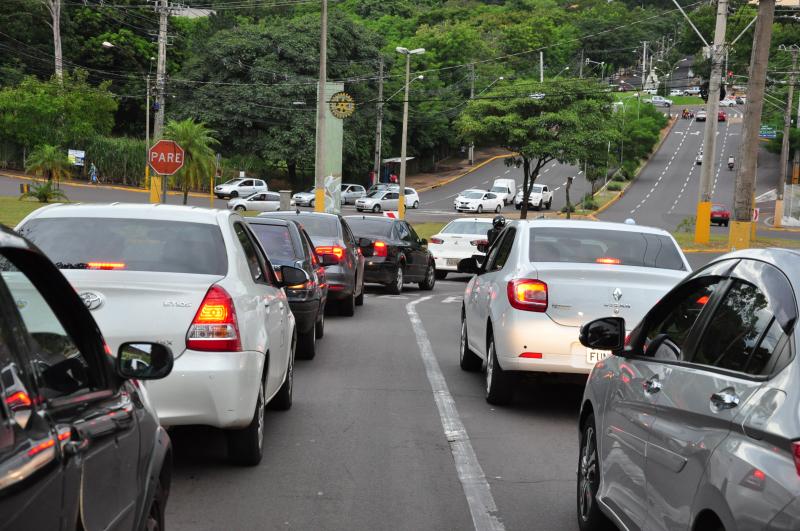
<point>618,177</point>
<point>196,140</point>
<point>571,208</point>
<point>687,224</point>
<point>629,168</point>
<point>44,193</point>
<point>614,186</point>
<point>119,160</point>
<point>48,161</point>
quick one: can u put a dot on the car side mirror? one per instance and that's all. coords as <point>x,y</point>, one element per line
<point>144,361</point>
<point>292,276</point>
<point>469,265</point>
<point>423,242</point>
<point>607,333</point>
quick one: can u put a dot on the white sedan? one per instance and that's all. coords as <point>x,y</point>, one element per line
<point>196,280</point>
<point>306,198</point>
<point>542,280</point>
<point>459,239</point>
<point>461,195</point>
<point>259,202</point>
<point>479,202</point>
<point>379,200</point>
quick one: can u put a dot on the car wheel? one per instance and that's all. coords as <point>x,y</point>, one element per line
<point>283,399</point>
<point>479,210</point>
<point>239,208</point>
<point>360,298</point>
<point>498,209</point>
<point>590,518</point>
<point>234,194</point>
<point>415,205</point>
<point>311,203</point>
<point>467,360</point>
<point>220,196</point>
<point>396,287</point>
<point>155,517</point>
<point>246,446</point>
<point>347,307</point>
<point>376,208</point>
<point>547,205</point>
<point>307,344</point>
<point>498,381</point>
<point>320,324</point>
<point>539,206</point>
<point>430,278</point>
<point>441,274</point>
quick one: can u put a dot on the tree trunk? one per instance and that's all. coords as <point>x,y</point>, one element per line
<point>291,170</point>
<point>569,206</point>
<point>185,191</point>
<point>54,7</point>
<point>526,189</point>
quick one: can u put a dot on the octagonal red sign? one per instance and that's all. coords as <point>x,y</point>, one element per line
<point>166,157</point>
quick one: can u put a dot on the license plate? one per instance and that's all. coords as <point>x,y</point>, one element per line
<point>593,356</point>
<point>453,261</point>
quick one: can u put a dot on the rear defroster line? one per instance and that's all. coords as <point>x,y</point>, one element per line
<point>476,489</point>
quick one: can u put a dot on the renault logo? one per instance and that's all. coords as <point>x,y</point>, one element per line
<point>617,294</point>
<point>91,300</point>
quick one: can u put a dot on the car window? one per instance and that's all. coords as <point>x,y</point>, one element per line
<point>414,236</point>
<point>257,197</point>
<point>392,195</point>
<point>491,196</point>
<point>250,254</point>
<point>348,235</point>
<point>261,183</point>
<point>498,259</point>
<point>743,333</point>
<point>276,241</point>
<point>467,227</point>
<point>409,191</point>
<point>402,231</point>
<point>272,197</point>
<point>246,183</point>
<point>370,226</point>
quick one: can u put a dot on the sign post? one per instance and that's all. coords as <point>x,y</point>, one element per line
<point>166,158</point>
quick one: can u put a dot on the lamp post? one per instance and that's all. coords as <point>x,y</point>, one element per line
<point>562,71</point>
<point>401,203</point>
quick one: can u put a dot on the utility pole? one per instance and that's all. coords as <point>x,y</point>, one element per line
<point>741,225</point>
<point>702,226</point>
<point>471,96</point>
<point>319,159</point>
<point>379,125</point>
<point>401,202</point>
<point>580,66</point>
<point>161,72</point>
<point>796,162</point>
<point>787,124</point>
<point>644,63</point>
<point>541,67</point>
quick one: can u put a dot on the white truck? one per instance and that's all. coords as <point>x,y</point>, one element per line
<point>540,197</point>
<point>505,189</point>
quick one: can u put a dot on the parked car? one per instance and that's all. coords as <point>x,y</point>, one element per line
<point>699,158</point>
<point>660,101</point>
<point>69,409</point>
<point>540,197</point>
<point>458,239</point>
<point>650,91</point>
<point>412,198</point>
<point>196,280</point>
<point>542,279</point>
<point>396,254</point>
<point>379,200</point>
<point>339,250</point>
<point>727,102</point>
<point>720,215</point>
<point>693,423</point>
<point>700,116</point>
<point>287,244</point>
<point>460,196</point>
<point>381,186</point>
<point>741,100</point>
<point>479,202</point>
<point>258,202</point>
<point>306,198</point>
<point>692,91</point>
<point>240,188</point>
<point>676,92</point>
<point>505,189</point>
<point>352,192</point>
<point>721,116</point>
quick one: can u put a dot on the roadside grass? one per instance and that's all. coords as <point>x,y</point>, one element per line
<point>719,242</point>
<point>12,210</point>
<point>426,230</point>
<point>676,100</point>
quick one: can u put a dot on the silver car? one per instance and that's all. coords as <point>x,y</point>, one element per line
<point>379,200</point>
<point>240,188</point>
<point>693,423</point>
<point>352,192</point>
<point>541,280</point>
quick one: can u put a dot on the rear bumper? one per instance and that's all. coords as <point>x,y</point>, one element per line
<point>340,283</point>
<point>448,261</point>
<point>379,272</point>
<point>216,389</point>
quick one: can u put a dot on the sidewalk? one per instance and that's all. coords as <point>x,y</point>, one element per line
<point>453,168</point>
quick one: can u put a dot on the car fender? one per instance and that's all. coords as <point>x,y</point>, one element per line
<point>709,498</point>
<point>159,467</point>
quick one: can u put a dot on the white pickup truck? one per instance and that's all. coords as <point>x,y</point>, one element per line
<point>540,196</point>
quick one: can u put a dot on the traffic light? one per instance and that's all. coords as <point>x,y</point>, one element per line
<point>704,91</point>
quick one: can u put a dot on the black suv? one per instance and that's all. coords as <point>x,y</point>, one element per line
<point>79,445</point>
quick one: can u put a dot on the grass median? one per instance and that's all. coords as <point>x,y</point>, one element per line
<point>12,210</point>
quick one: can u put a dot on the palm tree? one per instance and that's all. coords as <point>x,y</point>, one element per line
<point>44,193</point>
<point>49,161</point>
<point>196,140</point>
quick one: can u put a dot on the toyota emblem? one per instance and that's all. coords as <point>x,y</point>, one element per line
<point>617,294</point>
<point>91,300</point>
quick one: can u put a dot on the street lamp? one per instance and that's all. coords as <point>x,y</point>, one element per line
<point>401,203</point>
<point>562,71</point>
<point>106,44</point>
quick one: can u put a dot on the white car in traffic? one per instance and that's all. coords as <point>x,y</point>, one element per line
<point>379,200</point>
<point>258,202</point>
<point>196,280</point>
<point>352,193</point>
<point>505,189</point>
<point>460,196</point>
<point>540,197</point>
<point>240,188</point>
<point>541,280</point>
<point>306,198</point>
<point>459,239</point>
<point>479,202</point>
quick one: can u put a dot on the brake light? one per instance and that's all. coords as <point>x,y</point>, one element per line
<point>702,300</point>
<point>333,250</point>
<point>41,447</point>
<point>609,261</point>
<point>437,241</point>
<point>476,243</point>
<point>106,266</point>
<point>379,249</point>
<point>527,294</point>
<point>796,454</point>
<point>214,327</point>
<point>531,355</point>
<point>20,398</point>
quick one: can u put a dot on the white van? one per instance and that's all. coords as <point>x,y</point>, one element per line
<point>505,189</point>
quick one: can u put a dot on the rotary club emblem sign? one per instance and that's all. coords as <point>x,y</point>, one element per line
<point>342,105</point>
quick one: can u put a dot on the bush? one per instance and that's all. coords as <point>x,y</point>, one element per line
<point>614,186</point>
<point>589,204</point>
<point>119,160</point>
<point>629,168</point>
<point>571,208</point>
<point>687,224</point>
<point>618,177</point>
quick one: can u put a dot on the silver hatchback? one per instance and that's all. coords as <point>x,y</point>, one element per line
<point>693,423</point>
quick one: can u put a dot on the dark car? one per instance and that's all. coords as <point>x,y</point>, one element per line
<point>721,116</point>
<point>395,254</point>
<point>335,244</point>
<point>720,215</point>
<point>287,244</point>
<point>79,444</point>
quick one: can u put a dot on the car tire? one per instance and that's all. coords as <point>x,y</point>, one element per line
<point>539,206</point>
<point>548,204</point>
<point>360,298</point>
<point>467,359</point>
<point>590,517</point>
<point>155,516</point>
<point>220,196</point>
<point>234,194</point>
<point>498,209</point>
<point>282,401</point>
<point>441,274</point>
<point>246,446</point>
<point>376,209</point>
<point>499,390</point>
<point>396,286</point>
<point>479,210</point>
<point>415,205</point>
<point>347,307</point>
<point>239,208</point>
<point>319,326</point>
<point>307,344</point>
<point>430,278</point>
<point>311,203</point>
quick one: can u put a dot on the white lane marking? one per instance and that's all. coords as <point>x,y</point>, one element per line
<point>452,299</point>
<point>557,189</point>
<point>508,171</point>
<point>476,489</point>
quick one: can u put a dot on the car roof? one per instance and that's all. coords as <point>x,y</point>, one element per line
<point>385,219</point>
<point>289,213</point>
<point>480,220</point>
<point>268,221</point>
<point>191,214</point>
<point>596,225</point>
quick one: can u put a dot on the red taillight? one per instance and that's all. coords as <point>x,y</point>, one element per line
<point>214,326</point>
<point>702,300</point>
<point>20,398</point>
<point>333,250</point>
<point>41,447</point>
<point>379,249</point>
<point>476,243</point>
<point>527,294</point>
<point>437,240</point>
<point>609,261</point>
<point>531,355</point>
<point>796,454</point>
<point>106,266</point>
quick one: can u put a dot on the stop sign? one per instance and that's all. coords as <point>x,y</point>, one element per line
<point>166,157</point>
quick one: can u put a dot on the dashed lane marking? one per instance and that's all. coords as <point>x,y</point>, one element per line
<point>452,299</point>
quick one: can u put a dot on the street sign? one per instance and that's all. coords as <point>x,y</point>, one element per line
<point>767,131</point>
<point>166,157</point>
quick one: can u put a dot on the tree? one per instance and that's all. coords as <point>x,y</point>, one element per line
<point>196,140</point>
<point>49,161</point>
<point>564,120</point>
<point>54,9</point>
<point>44,193</point>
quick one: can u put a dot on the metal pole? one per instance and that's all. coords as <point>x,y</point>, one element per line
<point>787,124</point>
<point>796,162</point>
<point>471,96</point>
<point>161,67</point>
<point>580,66</point>
<point>378,127</point>
<point>319,162</point>
<point>541,67</point>
<point>644,63</point>
<point>401,202</point>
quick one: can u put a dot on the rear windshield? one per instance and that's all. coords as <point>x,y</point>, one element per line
<point>467,227</point>
<point>316,226</point>
<point>130,244</point>
<point>370,227</point>
<point>598,246</point>
<point>277,242</point>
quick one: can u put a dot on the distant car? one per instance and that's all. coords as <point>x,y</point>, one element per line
<point>741,100</point>
<point>676,92</point>
<point>699,158</point>
<point>351,193</point>
<point>459,239</point>
<point>540,197</point>
<point>379,200</point>
<point>720,215</point>
<point>541,280</point>
<point>412,198</point>
<point>660,101</point>
<point>396,256</point>
<point>460,196</point>
<point>480,202</point>
<point>258,202</point>
<point>721,116</point>
<point>700,116</point>
<point>70,408</point>
<point>506,189</point>
<point>650,91</point>
<point>727,102</point>
<point>692,91</point>
<point>287,244</point>
<point>339,250</point>
<point>240,188</point>
<point>306,198</point>
<point>381,186</point>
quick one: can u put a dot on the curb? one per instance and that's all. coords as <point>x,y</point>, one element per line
<point>101,186</point>
<point>457,177</point>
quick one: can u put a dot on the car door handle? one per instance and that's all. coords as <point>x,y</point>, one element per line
<point>653,385</point>
<point>725,399</point>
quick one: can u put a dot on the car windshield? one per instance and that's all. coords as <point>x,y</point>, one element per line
<point>370,226</point>
<point>467,227</point>
<point>474,195</point>
<point>601,246</point>
<point>537,189</point>
<point>717,208</point>
<point>376,194</point>
<point>130,244</point>
<point>277,242</point>
<point>317,226</point>
<point>499,189</point>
